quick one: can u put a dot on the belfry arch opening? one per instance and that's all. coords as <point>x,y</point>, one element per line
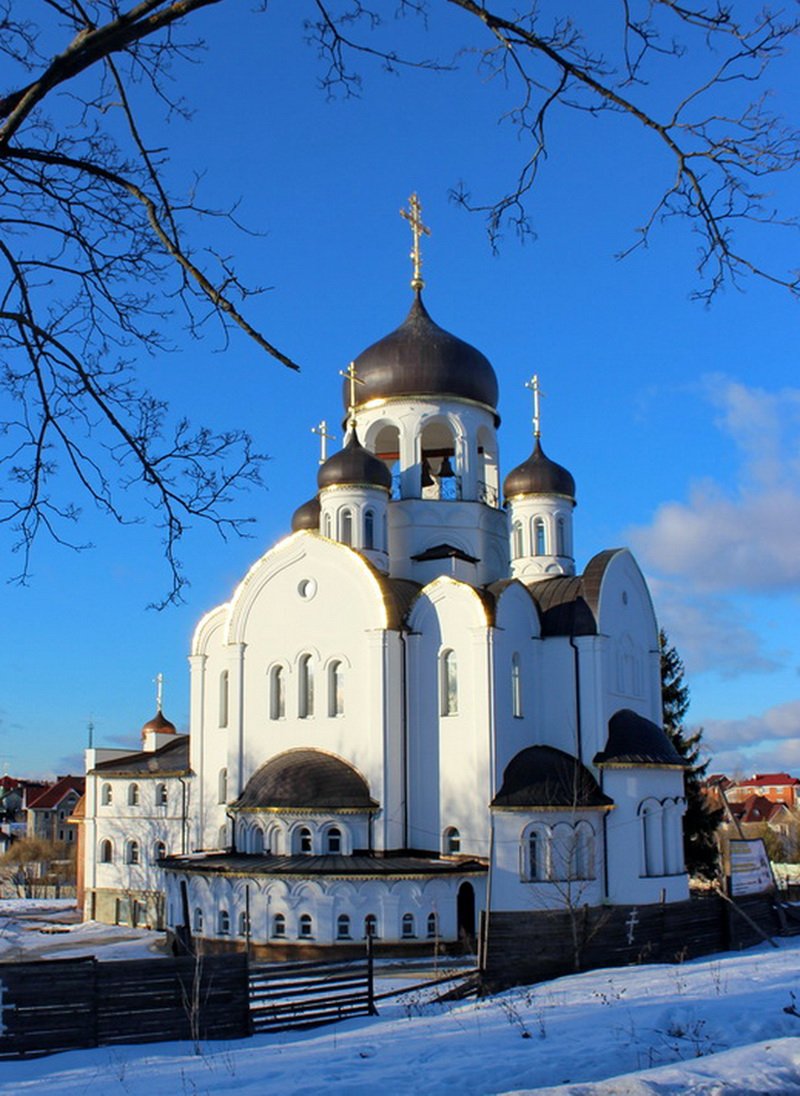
<point>488,475</point>
<point>386,445</point>
<point>440,477</point>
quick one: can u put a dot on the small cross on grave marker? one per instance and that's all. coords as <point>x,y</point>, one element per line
<point>631,923</point>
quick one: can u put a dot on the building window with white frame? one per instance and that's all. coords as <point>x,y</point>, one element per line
<point>132,856</point>
<point>539,542</point>
<point>343,927</point>
<point>224,923</point>
<point>278,926</point>
<point>106,795</point>
<point>516,540</point>
<point>448,683</point>
<point>451,842</point>
<point>369,529</point>
<point>333,840</point>
<point>407,928</point>
<point>306,926</point>
<point>335,689</point>
<point>516,686</point>
<point>106,852</point>
<point>346,526</point>
<point>133,795</point>
<point>306,687</point>
<point>277,693</point>
<point>433,926</point>
<point>223,699</point>
<point>162,797</point>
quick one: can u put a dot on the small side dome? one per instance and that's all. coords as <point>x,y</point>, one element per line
<point>539,475</point>
<point>306,516</point>
<point>634,740</point>
<point>306,780</point>
<point>159,724</point>
<point>354,466</point>
<point>542,776</point>
<point>420,358</point>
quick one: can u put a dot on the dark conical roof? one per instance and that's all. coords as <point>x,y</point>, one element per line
<point>542,776</point>
<point>634,740</point>
<point>538,475</point>
<point>307,515</point>
<point>354,466</point>
<point>422,359</point>
<point>306,779</point>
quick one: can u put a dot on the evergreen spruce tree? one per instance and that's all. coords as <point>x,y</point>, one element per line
<point>700,822</point>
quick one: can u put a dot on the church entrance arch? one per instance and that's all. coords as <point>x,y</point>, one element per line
<point>465,914</point>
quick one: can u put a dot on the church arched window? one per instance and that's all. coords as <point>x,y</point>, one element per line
<point>132,852</point>
<point>277,693</point>
<point>451,843</point>
<point>346,526</point>
<point>306,926</point>
<point>539,544</point>
<point>535,859</point>
<point>333,840</point>
<point>342,927</point>
<point>433,926</point>
<point>223,922</point>
<point>162,796</point>
<point>278,926</point>
<point>244,924</point>
<point>223,699</point>
<point>335,689</point>
<point>133,795</point>
<point>652,838</point>
<point>304,841</point>
<point>369,529</point>
<point>371,926</point>
<point>106,852</point>
<point>222,786</point>
<point>561,537</point>
<point>197,920</point>
<point>448,683</point>
<point>326,526</point>
<point>106,795</point>
<point>516,540</point>
<point>516,686</point>
<point>584,851</point>
<point>306,682</point>
<point>407,927</point>
<point>159,850</point>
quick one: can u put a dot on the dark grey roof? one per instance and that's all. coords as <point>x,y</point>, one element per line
<point>172,758</point>
<point>422,359</point>
<point>542,776</point>
<point>307,515</point>
<point>359,865</point>
<point>354,465</point>
<point>306,780</point>
<point>398,597</point>
<point>634,740</point>
<point>444,551</point>
<point>538,475</point>
<point>568,606</point>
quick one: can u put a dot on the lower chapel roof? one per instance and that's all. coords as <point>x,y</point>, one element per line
<point>233,863</point>
<point>169,759</point>
<point>306,779</point>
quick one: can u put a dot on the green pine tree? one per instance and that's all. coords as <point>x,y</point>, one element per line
<point>700,822</point>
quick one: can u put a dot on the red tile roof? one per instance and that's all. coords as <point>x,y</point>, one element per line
<point>52,796</point>
<point>770,778</point>
<point>757,808</point>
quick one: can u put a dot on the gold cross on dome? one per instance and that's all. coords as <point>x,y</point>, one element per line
<point>350,375</point>
<point>324,437</point>
<point>533,385</point>
<point>414,217</point>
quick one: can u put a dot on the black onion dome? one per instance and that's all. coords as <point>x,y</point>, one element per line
<point>538,475</point>
<point>634,740</point>
<point>306,780</point>
<point>422,359</point>
<point>354,466</point>
<point>542,776</point>
<point>160,724</point>
<point>306,516</point>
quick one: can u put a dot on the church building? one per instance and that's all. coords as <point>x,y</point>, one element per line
<point>413,709</point>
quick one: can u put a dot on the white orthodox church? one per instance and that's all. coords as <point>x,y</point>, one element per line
<point>412,709</point>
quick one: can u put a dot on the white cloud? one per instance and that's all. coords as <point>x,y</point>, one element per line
<point>744,536</point>
<point>765,742</point>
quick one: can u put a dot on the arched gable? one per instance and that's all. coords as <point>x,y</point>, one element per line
<point>208,631</point>
<point>621,598</point>
<point>446,593</point>
<point>515,607</point>
<point>315,552</point>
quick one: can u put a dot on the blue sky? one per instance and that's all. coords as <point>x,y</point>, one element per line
<point>680,423</point>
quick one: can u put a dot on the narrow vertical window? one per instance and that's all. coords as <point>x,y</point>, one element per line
<point>133,852</point>
<point>306,926</point>
<point>433,926</point>
<point>516,540</point>
<point>538,537</point>
<point>334,840</point>
<point>133,795</point>
<point>535,856</point>
<point>306,699</point>
<point>346,527</point>
<point>304,841</point>
<point>407,926</point>
<point>342,927</point>
<point>159,851</point>
<point>222,786</point>
<point>244,924</point>
<point>223,699</point>
<point>198,920</point>
<point>561,538</point>
<point>224,922</point>
<point>452,841</point>
<point>371,925</point>
<point>448,685</point>
<point>106,852</point>
<point>277,693</point>
<point>161,795</point>
<point>278,926</point>
<point>326,526</point>
<point>106,795</point>
<point>369,529</point>
<point>335,689</point>
<point>516,687</point>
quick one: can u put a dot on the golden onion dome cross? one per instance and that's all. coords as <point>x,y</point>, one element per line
<point>414,217</point>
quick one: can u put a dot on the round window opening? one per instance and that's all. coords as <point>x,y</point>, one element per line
<point>307,588</point>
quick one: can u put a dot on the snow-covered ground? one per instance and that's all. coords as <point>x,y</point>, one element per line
<point>49,928</point>
<point>711,1026</point>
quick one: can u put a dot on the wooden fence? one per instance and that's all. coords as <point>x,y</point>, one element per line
<point>63,1004</point>
<point>294,995</point>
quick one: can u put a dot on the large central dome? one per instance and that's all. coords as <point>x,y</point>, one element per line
<point>422,359</point>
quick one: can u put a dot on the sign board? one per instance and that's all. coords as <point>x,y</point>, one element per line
<point>751,872</point>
